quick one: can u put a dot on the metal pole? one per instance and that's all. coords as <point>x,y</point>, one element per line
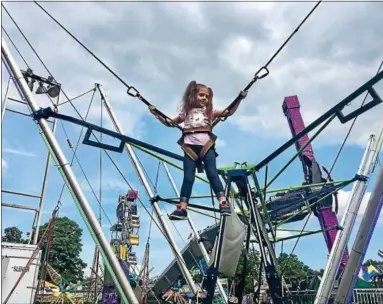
<point>348,220</point>
<point>38,215</point>
<point>20,193</point>
<point>166,231</point>
<point>200,244</point>
<point>5,99</point>
<point>30,236</point>
<point>127,291</point>
<point>17,206</point>
<point>361,243</point>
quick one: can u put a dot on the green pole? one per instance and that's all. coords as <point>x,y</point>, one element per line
<point>300,150</point>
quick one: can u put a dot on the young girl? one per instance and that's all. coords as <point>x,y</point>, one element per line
<point>197,141</point>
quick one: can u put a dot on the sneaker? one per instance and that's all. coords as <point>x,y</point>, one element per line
<point>179,214</point>
<point>225,208</point>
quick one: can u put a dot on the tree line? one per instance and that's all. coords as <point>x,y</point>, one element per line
<point>65,250</point>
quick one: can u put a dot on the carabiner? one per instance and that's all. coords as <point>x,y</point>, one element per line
<point>135,91</point>
<point>266,72</point>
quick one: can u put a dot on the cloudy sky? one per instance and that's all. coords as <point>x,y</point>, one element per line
<point>159,48</point>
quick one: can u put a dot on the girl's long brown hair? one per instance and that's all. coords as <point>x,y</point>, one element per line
<point>189,98</point>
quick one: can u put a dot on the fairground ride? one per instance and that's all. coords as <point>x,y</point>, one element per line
<point>258,216</point>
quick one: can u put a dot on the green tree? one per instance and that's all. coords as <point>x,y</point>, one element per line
<point>195,271</point>
<point>291,266</point>
<point>66,247</point>
<point>13,235</point>
<point>251,273</point>
<point>373,262</point>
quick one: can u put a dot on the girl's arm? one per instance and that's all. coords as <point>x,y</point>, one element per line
<point>227,113</point>
<point>166,121</point>
<point>177,120</point>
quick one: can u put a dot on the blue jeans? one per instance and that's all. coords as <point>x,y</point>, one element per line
<point>210,165</point>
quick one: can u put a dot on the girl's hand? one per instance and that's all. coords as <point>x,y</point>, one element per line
<point>226,113</point>
<point>243,94</point>
<point>169,122</point>
<point>152,110</point>
<point>166,121</point>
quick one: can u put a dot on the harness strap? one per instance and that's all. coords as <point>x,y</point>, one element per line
<point>197,130</point>
<point>210,143</point>
<point>190,152</point>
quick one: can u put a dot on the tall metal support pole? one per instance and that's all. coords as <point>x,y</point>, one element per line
<point>362,240</point>
<point>36,226</point>
<point>198,238</point>
<point>3,109</point>
<point>181,263</point>
<point>90,218</point>
<point>348,220</point>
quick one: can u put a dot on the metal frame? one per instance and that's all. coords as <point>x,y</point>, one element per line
<point>141,175</point>
<point>33,235</point>
<point>327,117</point>
<point>85,209</point>
<point>42,115</point>
<point>335,111</point>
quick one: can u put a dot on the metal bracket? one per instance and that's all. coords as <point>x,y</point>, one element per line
<point>29,74</point>
<point>101,145</point>
<point>337,110</point>
<point>375,101</point>
<point>48,112</point>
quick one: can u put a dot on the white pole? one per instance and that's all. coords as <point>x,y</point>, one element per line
<point>127,291</point>
<point>348,220</point>
<point>362,240</point>
<point>5,99</point>
<point>165,229</point>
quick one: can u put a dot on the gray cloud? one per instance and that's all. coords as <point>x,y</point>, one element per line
<point>160,47</point>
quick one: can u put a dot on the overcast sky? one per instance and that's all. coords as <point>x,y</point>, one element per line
<point>159,48</point>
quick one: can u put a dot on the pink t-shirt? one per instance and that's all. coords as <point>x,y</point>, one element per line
<point>196,118</point>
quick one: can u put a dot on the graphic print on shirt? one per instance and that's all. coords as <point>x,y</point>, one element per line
<point>197,118</point>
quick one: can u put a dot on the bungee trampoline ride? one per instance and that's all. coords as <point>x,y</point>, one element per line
<point>257,211</point>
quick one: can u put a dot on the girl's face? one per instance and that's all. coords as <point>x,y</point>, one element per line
<point>203,97</point>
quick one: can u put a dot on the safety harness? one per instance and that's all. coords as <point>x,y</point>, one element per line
<point>206,147</point>
<point>189,151</point>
